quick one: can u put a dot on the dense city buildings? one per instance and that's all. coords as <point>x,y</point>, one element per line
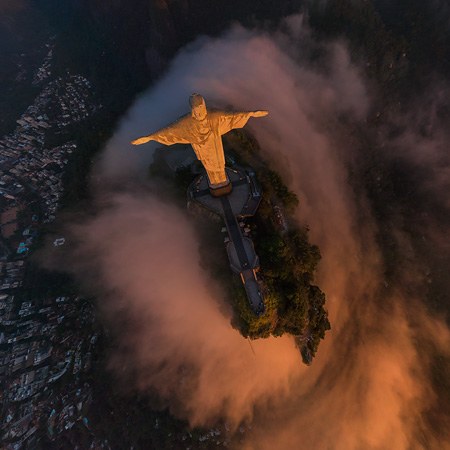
<point>46,341</point>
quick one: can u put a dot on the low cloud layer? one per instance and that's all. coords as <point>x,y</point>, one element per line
<point>369,386</point>
<point>175,336</point>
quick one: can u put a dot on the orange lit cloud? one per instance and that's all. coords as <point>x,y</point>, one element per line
<point>369,386</point>
<point>173,335</point>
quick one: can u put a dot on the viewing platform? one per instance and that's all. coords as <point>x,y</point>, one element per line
<point>241,202</point>
<point>244,197</point>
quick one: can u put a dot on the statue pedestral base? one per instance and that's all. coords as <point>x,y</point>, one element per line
<point>218,190</point>
<point>223,190</point>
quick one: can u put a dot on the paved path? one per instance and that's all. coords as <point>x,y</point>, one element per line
<point>234,232</point>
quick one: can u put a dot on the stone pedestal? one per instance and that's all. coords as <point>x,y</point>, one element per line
<point>222,190</point>
<point>217,190</point>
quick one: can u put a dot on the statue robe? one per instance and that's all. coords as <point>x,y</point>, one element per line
<point>205,136</point>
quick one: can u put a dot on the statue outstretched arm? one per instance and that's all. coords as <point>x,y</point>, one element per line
<point>142,140</point>
<point>231,120</point>
<point>259,113</point>
<point>175,133</point>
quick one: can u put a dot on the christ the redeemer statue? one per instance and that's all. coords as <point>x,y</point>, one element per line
<point>203,129</point>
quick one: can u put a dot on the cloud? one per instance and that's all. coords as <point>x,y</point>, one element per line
<point>369,386</point>
<point>173,334</point>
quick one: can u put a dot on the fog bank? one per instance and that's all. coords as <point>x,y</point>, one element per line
<point>369,385</point>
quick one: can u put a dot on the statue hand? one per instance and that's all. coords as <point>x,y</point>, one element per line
<point>141,140</point>
<point>261,113</point>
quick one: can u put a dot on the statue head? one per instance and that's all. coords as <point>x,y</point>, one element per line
<point>198,107</point>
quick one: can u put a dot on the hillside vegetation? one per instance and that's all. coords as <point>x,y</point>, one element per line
<point>294,305</point>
